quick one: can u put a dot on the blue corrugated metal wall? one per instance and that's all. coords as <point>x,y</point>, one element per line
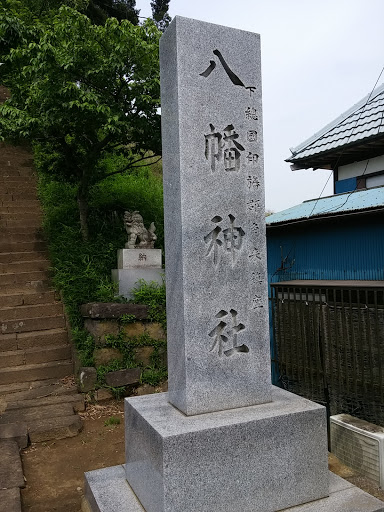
<point>340,248</point>
<point>349,248</point>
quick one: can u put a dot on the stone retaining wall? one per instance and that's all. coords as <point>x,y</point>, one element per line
<point>132,321</point>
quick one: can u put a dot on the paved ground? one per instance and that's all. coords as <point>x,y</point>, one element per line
<point>54,470</point>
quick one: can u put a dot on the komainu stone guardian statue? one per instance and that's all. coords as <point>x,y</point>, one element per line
<point>138,236</point>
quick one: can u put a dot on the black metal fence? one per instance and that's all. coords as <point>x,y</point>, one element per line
<point>329,344</point>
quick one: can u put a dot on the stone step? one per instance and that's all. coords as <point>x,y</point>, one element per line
<point>16,178</point>
<point>34,394</point>
<point>16,257</point>
<point>25,299</point>
<point>17,222</point>
<point>58,336</point>
<point>25,266</point>
<point>28,286</point>
<point>35,356</point>
<point>10,178</point>
<point>8,342</point>
<point>21,215</point>
<point>76,400</point>
<point>17,198</point>
<point>33,311</point>
<point>18,235</point>
<point>11,499</point>
<point>20,387</point>
<point>21,204</point>
<point>34,339</point>
<point>34,211</point>
<point>23,155</point>
<point>54,428</point>
<point>23,277</point>
<point>8,171</point>
<point>32,324</point>
<point>31,414</point>
<point>15,432</point>
<point>16,195</point>
<point>7,247</point>
<point>16,188</point>
<point>53,370</point>
<point>11,471</point>
<point>31,286</point>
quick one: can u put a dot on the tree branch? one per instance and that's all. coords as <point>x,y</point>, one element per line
<point>121,171</point>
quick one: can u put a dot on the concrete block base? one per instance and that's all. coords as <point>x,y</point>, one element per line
<point>107,490</point>
<point>128,279</point>
<point>273,454</point>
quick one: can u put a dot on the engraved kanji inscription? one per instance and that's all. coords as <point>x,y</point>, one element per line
<point>253,182</point>
<point>257,302</point>
<point>252,157</point>
<point>251,114</point>
<point>255,228</point>
<point>230,239</point>
<point>225,334</point>
<point>142,257</point>
<point>255,255</point>
<point>256,277</point>
<point>253,204</point>
<point>232,76</point>
<point>251,135</point>
<point>223,147</point>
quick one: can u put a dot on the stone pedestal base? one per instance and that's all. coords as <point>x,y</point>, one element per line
<point>107,490</point>
<point>263,458</point>
<point>127,279</point>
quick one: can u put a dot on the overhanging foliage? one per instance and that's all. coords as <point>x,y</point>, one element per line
<point>82,92</point>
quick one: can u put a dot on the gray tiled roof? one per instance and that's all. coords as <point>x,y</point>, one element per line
<point>363,121</point>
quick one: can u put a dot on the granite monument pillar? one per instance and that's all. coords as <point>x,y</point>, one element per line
<point>218,335</point>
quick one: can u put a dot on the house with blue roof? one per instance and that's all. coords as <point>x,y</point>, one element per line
<point>326,270</point>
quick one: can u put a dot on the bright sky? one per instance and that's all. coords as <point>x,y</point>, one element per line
<point>318,59</point>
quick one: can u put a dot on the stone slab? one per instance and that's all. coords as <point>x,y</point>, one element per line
<point>10,500</point>
<point>87,378</point>
<point>55,428</point>
<point>123,377</point>
<point>139,258</point>
<point>272,454</point>
<point>107,490</point>
<point>11,471</point>
<point>113,310</point>
<point>15,431</point>
<point>215,249</point>
<point>129,279</point>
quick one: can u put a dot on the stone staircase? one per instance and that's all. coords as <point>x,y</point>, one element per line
<point>38,397</point>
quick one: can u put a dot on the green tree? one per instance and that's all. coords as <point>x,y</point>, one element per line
<point>160,13</point>
<point>83,93</point>
<point>97,10</point>
<point>100,10</point>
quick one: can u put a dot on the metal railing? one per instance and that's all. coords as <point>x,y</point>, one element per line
<point>329,344</point>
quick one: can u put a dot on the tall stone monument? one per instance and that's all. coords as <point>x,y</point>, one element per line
<point>217,308</point>
<point>223,439</point>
